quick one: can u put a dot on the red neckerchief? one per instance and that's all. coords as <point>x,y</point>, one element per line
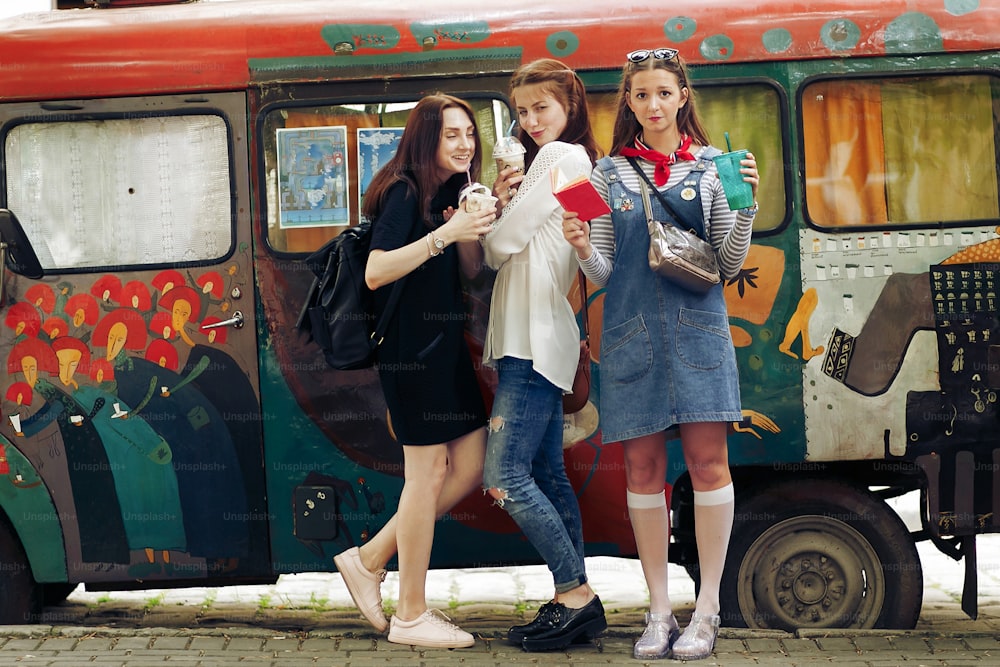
<point>662,172</point>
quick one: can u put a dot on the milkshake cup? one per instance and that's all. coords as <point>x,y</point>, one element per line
<point>508,152</point>
<point>477,197</point>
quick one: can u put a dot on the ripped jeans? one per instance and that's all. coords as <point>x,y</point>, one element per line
<point>525,467</point>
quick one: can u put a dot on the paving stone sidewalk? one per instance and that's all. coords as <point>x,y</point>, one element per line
<point>309,619</point>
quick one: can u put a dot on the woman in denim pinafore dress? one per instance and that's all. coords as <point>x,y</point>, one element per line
<point>667,358</point>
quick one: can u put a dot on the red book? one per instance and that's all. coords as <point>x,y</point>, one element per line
<point>578,195</point>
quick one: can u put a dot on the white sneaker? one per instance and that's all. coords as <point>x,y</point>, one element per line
<point>363,586</point>
<point>432,629</point>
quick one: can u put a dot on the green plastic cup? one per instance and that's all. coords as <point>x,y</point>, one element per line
<point>739,193</point>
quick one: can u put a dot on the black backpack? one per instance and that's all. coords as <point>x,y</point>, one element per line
<point>339,313</point>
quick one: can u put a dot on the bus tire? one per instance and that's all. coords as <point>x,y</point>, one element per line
<point>20,596</point>
<point>815,553</point>
<point>53,594</point>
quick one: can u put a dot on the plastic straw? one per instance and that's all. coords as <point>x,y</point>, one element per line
<point>510,130</point>
<point>729,146</point>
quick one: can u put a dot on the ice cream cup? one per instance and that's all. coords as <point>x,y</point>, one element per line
<point>477,197</point>
<point>509,152</point>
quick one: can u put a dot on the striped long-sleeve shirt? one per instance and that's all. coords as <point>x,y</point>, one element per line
<point>728,231</point>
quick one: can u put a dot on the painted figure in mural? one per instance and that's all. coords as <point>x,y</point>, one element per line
<point>108,291</point>
<point>951,294</point>
<point>210,490</point>
<point>667,359</point>
<point>957,300</point>
<point>220,385</point>
<point>133,427</point>
<point>73,442</point>
<point>83,312</point>
<point>435,406</point>
<point>534,342</point>
<point>184,305</point>
<point>24,321</point>
<point>144,478</point>
<point>135,295</point>
<point>140,462</point>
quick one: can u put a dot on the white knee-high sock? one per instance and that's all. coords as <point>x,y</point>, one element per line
<point>651,526</point>
<point>713,524</point>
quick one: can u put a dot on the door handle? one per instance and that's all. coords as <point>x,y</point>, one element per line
<point>236,322</point>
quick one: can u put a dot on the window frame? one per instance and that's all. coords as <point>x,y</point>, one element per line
<point>218,105</point>
<point>883,69</point>
<point>784,134</point>
<point>607,82</point>
<point>300,96</point>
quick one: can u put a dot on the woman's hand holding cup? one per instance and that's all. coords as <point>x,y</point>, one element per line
<point>505,186</point>
<point>467,226</point>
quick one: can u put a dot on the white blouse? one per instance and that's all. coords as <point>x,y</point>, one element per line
<point>530,317</point>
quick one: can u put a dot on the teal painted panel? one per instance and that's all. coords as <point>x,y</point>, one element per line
<point>505,57</point>
<point>777,40</point>
<point>840,34</point>
<point>960,7</point>
<point>361,35</point>
<point>679,28</point>
<point>25,500</point>
<point>466,32</point>
<point>913,32</point>
<point>717,48</point>
<point>563,43</point>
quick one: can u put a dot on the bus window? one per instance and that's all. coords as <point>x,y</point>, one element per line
<point>751,114</point>
<point>601,107</point>
<point>901,151</point>
<point>319,160</point>
<point>122,191</point>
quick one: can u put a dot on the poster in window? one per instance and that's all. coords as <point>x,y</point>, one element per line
<point>376,146</point>
<point>312,177</point>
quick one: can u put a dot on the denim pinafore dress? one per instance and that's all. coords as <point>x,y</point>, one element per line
<point>667,356</point>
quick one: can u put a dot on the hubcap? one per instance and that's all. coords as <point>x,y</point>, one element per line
<point>811,571</point>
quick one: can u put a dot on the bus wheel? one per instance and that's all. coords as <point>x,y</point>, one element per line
<point>820,554</point>
<point>20,596</point>
<point>53,594</point>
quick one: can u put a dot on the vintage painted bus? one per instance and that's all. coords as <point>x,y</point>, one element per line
<point>165,170</point>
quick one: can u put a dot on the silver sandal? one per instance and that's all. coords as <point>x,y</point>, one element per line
<point>658,638</point>
<point>698,639</point>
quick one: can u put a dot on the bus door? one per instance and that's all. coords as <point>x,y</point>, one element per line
<point>332,459</point>
<point>131,433</point>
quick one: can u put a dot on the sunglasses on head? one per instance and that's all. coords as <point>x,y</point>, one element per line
<point>658,54</point>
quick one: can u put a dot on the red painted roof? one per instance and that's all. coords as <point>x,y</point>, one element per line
<point>225,45</point>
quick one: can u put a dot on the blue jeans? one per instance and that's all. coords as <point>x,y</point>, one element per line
<point>524,461</point>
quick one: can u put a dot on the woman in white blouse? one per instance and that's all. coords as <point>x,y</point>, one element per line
<point>533,342</point>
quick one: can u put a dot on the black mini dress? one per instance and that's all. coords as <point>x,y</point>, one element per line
<point>423,363</point>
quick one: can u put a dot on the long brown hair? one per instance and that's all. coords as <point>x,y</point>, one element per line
<point>566,87</point>
<point>415,161</point>
<point>627,126</point>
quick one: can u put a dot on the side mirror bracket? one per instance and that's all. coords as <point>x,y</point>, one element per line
<point>16,252</point>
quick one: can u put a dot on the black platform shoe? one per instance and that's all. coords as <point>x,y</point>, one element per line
<point>563,626</point>
<point>518,632</point>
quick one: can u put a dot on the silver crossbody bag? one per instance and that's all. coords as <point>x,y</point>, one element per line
<point>679,255</point>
